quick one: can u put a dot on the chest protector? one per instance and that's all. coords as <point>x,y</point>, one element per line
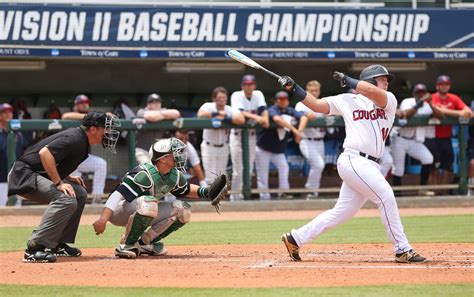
<point>159,185</point>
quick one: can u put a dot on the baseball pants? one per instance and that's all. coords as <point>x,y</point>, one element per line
<point>263,166</point>
<point>61,218</point>
<point>235,142</point>
<point>98,166</point>
<point>414,149</point>
<point>362,181</point>
<point>3,193</point>
<point>214,160</point>
<point>313,151</point>
<point>386,162</point>
<point>166,215</point>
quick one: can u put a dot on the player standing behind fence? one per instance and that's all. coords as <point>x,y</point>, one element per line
<point>252,105</point>
<point>215,142</point>
<point>42,174</point>
<point>312,142</point>
<point>409,140</point>
<point>94,164</point>
<point>368,118</point>
<point>272,143</point>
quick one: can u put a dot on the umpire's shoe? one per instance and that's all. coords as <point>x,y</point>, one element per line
<point>153,249</point>
<point>291,246</point>
<point>35,253</point>
<point>128,251</point>
<point>409,257</point>
<point>64,250</point>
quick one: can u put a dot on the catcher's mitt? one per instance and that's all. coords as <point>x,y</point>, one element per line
<point>218,189</point>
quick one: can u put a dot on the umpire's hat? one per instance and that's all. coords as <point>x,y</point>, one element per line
<point>94,118</point>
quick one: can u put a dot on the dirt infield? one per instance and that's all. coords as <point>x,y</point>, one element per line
<point>248,266</point>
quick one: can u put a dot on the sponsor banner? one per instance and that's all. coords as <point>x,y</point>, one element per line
<point>219,54</point>
<point>155,27</point>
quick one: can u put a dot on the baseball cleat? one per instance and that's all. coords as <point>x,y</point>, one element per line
<point>409,257</point>
<point>38,257</point>
<point>127,251</point>
<point>64,250</point>
<point>291,246</point>
<point>153,249</point>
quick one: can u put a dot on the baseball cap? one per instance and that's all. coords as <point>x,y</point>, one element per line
<point>82,99</point>
<point>443,79</point>
<point>249,79</point>
<point>153,97</point>
<point>420,88</point>
<point>282,94</point>
<point>5,106</point>
<point>94,118</point>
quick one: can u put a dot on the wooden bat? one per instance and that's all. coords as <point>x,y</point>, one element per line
<point>241,58</point>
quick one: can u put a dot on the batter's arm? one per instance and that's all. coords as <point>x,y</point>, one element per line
<point>377,95</point>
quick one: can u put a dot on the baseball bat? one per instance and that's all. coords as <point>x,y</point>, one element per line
<point>241,58</point>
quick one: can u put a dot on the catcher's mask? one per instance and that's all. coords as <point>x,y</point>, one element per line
<point>371,72</point>
<point>168,146</point>
<point>110,123</point>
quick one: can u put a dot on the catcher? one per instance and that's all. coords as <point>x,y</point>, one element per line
<point>135,203</point>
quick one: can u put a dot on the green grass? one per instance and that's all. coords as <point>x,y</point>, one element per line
<point>429,229</point>
<point>376,291</point>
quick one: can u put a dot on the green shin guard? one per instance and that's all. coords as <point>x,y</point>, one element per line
<point>175,226</point>
<point>139,225</point>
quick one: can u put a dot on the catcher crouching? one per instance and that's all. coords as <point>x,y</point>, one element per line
<point>135,203</point>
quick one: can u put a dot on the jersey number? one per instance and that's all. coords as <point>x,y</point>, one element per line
<point>385,132</point>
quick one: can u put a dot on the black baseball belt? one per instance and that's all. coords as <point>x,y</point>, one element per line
<point>367,156</point>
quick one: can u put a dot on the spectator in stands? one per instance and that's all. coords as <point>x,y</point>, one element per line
<point>451,105</point>
<point>6,114</point>
<point>252,105</point>
<point>215,142</point>
<point>20,112</point>
<point>410,140</point>
<point>470,153</point>
<point>272,142</point>
<point>153,112</point>
<point>93,164</point>
<point>312,142</point>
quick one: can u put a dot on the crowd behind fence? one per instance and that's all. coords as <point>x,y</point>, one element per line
<point>126,158</point>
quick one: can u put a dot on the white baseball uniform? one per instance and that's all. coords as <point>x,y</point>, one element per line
<point>367,128</point>
<point>98,166</point>
<point>410,140</point>
<point>312,148</point>
<point>242,103</point>
<point>215,144</point>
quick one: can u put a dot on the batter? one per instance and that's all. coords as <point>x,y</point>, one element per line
<point>368,118</point>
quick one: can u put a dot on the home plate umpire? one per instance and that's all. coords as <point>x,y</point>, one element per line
<point>42,174</point>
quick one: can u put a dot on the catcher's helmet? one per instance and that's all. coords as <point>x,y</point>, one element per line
<point>167,146</point>
<point>371,72</point>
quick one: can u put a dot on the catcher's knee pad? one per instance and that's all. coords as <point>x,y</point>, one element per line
<point>146,211</point>
<point>183,211</point>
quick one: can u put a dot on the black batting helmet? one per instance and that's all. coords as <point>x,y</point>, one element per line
<point>371,72</point>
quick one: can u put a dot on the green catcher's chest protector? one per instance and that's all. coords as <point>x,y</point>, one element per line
<point>157,184</point>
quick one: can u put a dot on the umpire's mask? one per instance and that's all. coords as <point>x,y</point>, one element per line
<point>110,123</point>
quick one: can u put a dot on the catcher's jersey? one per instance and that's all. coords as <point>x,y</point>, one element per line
<point>142,180</point>
<point>367,126</point>
<point>311,132</point>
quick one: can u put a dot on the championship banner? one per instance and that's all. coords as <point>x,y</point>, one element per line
<point>154,31</point>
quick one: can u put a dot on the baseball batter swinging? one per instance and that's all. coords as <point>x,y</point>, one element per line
<point>134,203</point>
<point>368,118</point>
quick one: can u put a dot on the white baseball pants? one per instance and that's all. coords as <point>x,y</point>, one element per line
<point>414,149</point>
<point>362,180</point>
<point>313,151</point>
<point>3,194</point>
<point>263,166</point>
<point>214,160</point>
<point>386,161</point>
<point>235,142</point>
<point>98,166</point>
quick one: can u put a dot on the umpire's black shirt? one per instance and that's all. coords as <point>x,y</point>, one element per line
<point>69,148</point>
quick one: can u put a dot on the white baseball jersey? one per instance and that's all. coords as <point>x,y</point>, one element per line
<point>367,126</point>
<point>242,103</point>
<point>417,133</point>
<point>193,157</point>
<point>217,136</point>
<point>311,132</point>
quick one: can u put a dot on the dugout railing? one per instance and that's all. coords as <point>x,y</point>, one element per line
<point>132,126</point>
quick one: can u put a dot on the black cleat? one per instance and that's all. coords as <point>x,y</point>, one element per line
<point>409,257</point>
<point>64,250</point>
<point>38,257</point>
<point>291,246</point>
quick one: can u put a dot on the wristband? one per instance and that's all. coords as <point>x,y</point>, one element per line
<point>203,192</point>
<point>299,93</point>
<point>227,118</point>
<point>418,104</point>
<point>214,114</point>
<point>351,82</point>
